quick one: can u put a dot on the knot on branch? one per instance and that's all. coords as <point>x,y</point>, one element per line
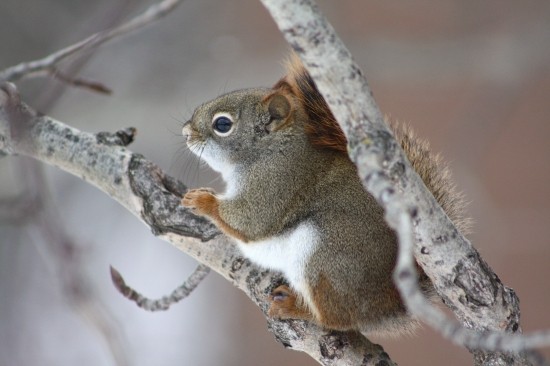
<point>469,277</point>
<point>333,346</point>
<point>161,196</point>
<point>120,138</point>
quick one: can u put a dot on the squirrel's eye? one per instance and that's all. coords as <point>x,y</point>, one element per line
<point>222,124</point>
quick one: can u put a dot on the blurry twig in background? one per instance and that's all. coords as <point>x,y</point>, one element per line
<point>47,65</point>
<point>79,82</point>
<point>68,260</point>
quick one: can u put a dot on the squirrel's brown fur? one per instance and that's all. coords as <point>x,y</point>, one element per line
<point>324,132</point>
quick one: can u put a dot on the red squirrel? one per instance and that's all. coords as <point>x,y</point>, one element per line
<point>294,203</point>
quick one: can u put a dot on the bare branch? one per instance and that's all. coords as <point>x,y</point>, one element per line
<point>165,302</point>
<point>461,277</point>
<point>47,65</point>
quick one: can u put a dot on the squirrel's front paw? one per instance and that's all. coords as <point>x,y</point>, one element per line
<point>202,201</point>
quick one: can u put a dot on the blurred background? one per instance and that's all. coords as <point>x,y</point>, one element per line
<point>472,77</point>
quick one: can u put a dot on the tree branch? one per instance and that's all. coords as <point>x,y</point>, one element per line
<point>464,281</point>
<point>154,197</point>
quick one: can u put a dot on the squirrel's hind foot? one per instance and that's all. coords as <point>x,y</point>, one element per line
<point>285,304</point>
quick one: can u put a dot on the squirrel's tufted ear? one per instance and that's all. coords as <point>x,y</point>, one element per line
<point>279,109</point>
<point>279,106</point>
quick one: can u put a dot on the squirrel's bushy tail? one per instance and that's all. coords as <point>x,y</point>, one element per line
<point>435,173</point>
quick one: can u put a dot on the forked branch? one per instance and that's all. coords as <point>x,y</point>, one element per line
<point>48,66</point>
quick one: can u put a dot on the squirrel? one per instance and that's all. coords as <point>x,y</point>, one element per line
<point>294,203</point>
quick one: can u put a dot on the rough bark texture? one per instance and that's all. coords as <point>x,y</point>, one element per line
<point>464,281</point>
<point>154,197</point>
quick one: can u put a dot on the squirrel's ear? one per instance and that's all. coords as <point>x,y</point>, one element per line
<point>279,109</point>
<point>279,106</point>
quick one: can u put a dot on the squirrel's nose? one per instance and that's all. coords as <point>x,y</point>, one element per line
<point>186,130</point>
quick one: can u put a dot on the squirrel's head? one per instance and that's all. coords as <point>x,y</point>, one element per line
<point>253,124</point>
<point>243,126</point>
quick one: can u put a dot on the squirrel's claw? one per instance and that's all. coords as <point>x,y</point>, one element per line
<point>202,200</point>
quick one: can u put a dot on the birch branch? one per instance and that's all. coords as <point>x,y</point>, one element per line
<point>154,197</point>
<point>461,277</point>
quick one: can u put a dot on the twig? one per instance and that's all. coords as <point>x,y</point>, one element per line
<point>165,302</point>
<point>47,64</point>
<point>79,82</point>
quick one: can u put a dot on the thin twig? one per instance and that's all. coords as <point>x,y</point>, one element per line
<point>165,302</point>
<point>79,82</point>
<point>48,63</point>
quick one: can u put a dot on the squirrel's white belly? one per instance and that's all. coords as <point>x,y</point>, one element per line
<point>287,253</point>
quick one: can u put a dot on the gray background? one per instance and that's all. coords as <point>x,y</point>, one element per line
<point>472,77</point>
